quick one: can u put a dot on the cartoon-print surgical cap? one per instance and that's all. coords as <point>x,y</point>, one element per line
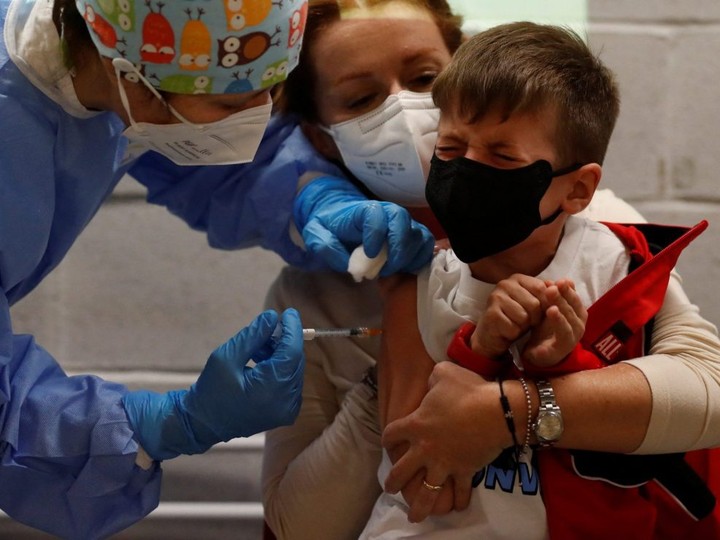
<point>201,46</point>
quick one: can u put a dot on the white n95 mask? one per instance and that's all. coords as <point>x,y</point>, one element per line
<point>234,139</point>
<point>389,148</point>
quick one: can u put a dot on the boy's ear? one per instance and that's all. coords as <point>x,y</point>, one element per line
<point>322,142</point>
<point>585,182</point>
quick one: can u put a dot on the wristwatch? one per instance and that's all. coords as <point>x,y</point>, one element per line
<point>548,425</point>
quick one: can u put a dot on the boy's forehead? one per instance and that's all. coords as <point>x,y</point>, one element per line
<point>525,131</point>
<point>471,111</point>
<point>458,116</point>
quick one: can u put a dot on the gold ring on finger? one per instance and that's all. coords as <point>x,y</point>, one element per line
<point>431,487</point>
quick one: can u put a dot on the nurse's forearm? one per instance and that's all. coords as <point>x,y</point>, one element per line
<point>84,461</point>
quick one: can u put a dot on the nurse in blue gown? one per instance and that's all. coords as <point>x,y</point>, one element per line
<point>177,95</point>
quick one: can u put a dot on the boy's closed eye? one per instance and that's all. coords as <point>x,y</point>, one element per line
<point>448,147</point>
<point>507,159</point>
<point>448,152</point>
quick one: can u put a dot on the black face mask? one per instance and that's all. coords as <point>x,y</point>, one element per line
<point>485,210</point>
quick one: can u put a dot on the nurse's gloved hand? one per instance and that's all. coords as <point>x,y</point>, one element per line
<point>229,399</point>
<point>334,217</point>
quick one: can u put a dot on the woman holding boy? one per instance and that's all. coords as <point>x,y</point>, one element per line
<point>329,458</point>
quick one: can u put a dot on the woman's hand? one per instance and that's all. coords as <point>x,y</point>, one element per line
<point>443,436</point>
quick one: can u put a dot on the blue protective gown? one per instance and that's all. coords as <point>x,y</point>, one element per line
<point>67,452</point>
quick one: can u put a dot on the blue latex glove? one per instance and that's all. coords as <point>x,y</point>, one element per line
<point>229,399</point>
<point>334,217</point>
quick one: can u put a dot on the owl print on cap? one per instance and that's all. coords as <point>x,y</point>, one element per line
<point>201,46</point>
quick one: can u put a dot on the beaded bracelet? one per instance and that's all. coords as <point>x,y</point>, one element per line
<point>526,445</point>
<point>509,420</point>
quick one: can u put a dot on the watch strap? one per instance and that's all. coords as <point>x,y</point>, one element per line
<point>548,407</point>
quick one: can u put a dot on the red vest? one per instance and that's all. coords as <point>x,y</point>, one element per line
<point>594,495</point>
<point>585,508</point>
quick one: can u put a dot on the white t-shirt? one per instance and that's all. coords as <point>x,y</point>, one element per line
<point>506,504</point>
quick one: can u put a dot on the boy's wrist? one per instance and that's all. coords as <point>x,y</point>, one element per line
<point>462,353</point>
<point>481,347</point>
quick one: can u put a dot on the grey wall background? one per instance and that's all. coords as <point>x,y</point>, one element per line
<point>142,299</point>
<point>665,153</point>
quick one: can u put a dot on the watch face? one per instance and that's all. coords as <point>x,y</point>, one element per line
<point>549,426</point>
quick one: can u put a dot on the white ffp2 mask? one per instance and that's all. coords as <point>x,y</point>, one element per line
<point>389,148</point>
<point>234,139</point>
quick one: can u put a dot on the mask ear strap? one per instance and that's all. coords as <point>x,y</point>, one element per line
<point>560,172</point>
<point>123,65</point>
<point>325,129</point>
<point>552,217</point>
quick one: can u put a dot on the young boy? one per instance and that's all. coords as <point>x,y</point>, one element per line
<point>526,115</point>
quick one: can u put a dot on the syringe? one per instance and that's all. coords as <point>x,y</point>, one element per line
<point>358,331</point>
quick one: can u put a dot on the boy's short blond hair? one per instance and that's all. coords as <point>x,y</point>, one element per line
<point>523,67</point>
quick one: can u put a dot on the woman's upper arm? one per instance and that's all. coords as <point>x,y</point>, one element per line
<point>683,371</point>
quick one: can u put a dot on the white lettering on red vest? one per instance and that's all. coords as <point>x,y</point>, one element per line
<point>608,346</point>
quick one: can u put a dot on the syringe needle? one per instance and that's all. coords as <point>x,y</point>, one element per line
<point>358,331</point>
